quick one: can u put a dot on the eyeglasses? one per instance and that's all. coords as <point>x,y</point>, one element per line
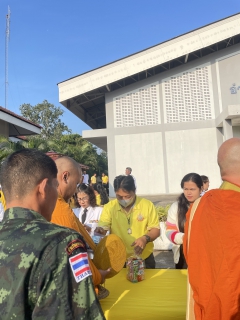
<point>82,199</point>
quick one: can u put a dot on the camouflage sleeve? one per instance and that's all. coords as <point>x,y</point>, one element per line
<point>63,289</point>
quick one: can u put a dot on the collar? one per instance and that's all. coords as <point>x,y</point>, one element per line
<point>22,213</point>
<point>88,208</point>
<point>229,186</point>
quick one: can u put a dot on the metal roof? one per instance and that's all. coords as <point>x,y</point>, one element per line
<point>84,95</point>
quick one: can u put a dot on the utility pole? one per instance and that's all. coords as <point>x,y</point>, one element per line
<point>6,56</point>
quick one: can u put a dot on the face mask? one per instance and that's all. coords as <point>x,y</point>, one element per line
<point>126,203</point>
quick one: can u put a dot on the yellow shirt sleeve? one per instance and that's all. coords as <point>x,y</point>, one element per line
<point>2,199</point>
<point>105,219</point>
<point>153,221</point>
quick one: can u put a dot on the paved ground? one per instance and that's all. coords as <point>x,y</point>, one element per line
<point>162,199</point>
<point>164,259</point>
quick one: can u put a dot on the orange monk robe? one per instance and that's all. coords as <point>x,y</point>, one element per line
<point>213,256</point>
<point>64,216</point>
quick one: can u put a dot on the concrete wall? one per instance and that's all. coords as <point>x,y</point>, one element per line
<point>160,155</point>
<point>143,153</point>
<point>191,151</point>
<point>228,76</point>
<point>236,132</point>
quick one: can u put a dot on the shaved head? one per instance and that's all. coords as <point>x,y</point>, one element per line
<point>69,175</point>
<point>229,160</point>
<point>66,163</point>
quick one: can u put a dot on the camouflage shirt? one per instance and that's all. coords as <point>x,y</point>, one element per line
<point>37,267</point>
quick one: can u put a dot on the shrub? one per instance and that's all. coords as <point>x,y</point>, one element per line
<point>162,212</point>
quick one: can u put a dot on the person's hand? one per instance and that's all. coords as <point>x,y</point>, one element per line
<point>100,230</point>
<point>139,245</point>
<point>104,273</point>
<point>87,228</point>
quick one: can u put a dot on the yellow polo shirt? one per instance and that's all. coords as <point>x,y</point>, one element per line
<point>142,217</point>
<point>93,179</point>
<point>105,179</point>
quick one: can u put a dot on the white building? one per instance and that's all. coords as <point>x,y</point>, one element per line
<point>164,111</point>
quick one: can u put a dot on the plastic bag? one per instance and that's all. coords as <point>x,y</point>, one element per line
<point>135,269</point>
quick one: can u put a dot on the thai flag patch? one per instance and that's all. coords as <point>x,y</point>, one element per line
<point>80,266</point>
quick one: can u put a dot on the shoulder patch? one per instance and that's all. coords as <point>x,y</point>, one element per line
<point>74,245</point>
<point>80,266</point>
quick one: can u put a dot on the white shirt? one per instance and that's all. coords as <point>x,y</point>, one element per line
<point>85,178</point>
<point>1,211</point>
<point>93,214</point>
<point>178,239</point>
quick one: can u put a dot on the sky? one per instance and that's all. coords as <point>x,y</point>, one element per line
<point>52,41</point>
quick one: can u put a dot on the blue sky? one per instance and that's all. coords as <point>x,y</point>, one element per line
<point>51,41</point>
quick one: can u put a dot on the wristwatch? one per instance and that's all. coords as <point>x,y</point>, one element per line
<point>147,237</point>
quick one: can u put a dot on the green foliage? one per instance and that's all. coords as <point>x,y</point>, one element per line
<point>162,212</point>
<point>53,137</point>
<point>102,163</point>
<point>48,116</point>
<point>74,146</point>
<point>7,147</point>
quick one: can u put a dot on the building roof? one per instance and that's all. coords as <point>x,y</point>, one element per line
<point>18,126</point>
<point>84,95</point>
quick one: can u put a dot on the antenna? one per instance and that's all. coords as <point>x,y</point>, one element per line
<point>6,56</point>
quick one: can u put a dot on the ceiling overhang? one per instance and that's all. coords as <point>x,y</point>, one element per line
<point>84,95</point>
<point>18,126</point>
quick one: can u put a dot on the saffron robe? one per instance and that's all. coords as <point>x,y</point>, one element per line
<point>64,216</point>
<point>213,254</point>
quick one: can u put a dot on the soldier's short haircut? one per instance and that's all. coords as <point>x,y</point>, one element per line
<point>23,170</point>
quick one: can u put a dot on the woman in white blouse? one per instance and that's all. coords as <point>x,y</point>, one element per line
<point>192,187</point>
<point>88,212</point>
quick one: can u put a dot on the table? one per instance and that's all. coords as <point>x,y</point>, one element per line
<point>162,295</point>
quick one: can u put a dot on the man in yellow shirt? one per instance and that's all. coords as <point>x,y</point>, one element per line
<point>105,182</point>
<point>94,179</point>
<point>131,218</point>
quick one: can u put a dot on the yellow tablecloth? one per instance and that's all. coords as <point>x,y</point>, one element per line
<point>162,295</point>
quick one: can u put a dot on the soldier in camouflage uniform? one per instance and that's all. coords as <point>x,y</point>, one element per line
<point>44,267</point>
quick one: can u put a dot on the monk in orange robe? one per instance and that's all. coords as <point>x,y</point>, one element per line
<point>212,249</point>
<point>69,175</point>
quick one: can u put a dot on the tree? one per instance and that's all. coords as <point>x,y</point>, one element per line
<point>48,116</point>
<point>36,142</point>
<point>73,145</point>
<point>102,163</point>
<point>7,147</point>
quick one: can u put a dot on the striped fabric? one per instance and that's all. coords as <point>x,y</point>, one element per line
<point>171,231</point>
